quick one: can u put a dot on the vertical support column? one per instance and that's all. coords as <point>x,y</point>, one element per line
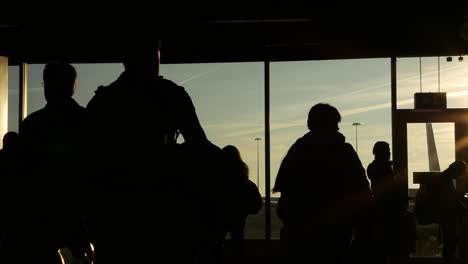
<point>400,154</point>
<point>393,85</point>
<point>267,153</point>
<point>461,141</point>
<point>23,95</point>
<point>3,97</point>
<point>399,134</point>
<point>461,147</point>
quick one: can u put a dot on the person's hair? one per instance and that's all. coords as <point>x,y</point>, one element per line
<point>379,147</point>
<point>233,155</point>
<point>456,169</point>
<point>59,80</point>
<point>323,115</point>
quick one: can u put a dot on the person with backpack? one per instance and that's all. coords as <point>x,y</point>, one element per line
<point>246,199</point>
<point>450,209</point>
<point>141,200</point>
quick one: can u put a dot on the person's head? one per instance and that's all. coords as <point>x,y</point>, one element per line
<point>323,116</point>
<point>232,152</point>
<point>59,81</point>
<point>11,140</point>
<point>141,58</point>
<point>233,156</point>
<point>457,169</point>
<point>381,150</point>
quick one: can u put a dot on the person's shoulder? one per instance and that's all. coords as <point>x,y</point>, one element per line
<point>103,90</point>
<point>33,121</point>
<point>371,167</point>
<point>169,85</point>
<point>114,87</point>
<point>251,184</point>
<point>348,147</point>
<point>37,115</point>
<point>160,80</point>
<point>100,95</point>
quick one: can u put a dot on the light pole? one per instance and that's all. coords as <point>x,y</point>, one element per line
<point>258,174</point>
<point>356,125</point>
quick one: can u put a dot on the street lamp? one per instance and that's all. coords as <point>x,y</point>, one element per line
<point>258,174</point>
<point>356,125</point>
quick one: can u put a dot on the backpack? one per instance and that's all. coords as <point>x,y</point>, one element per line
<point>253,198</point>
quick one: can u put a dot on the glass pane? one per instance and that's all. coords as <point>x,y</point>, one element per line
<point>90,76</point>
<point>13,98</point>
<point>35,90</point>
<point>451,79</point>
<point>228,98</point>
<point>427,243</point>
<point>359,89</point>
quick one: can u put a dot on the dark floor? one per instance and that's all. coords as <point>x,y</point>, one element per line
<point>270,252</point>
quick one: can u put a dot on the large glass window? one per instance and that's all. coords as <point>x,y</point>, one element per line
<point>427,77</point>
<point>359,89</point>
<point>431,147</point>
<point>90,76</point>
<point>13,98</point>
<point>229,101</point>
<point>35,90</point>
<point>428,150</point>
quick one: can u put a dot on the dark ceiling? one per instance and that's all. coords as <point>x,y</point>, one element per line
<point>226,36</point>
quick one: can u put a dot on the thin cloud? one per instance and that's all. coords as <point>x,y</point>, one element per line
<point>201,74</point>
<point>347,112</point>
<point>254,129</point>
<point>242,130</point>
<point>385,84</point>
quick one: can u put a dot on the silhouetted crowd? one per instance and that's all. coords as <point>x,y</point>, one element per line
<point>112,183</point>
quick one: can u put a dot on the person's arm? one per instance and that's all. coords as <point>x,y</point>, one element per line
<point>189,125</point>
<point>371,171</point>
<point>361,196</point>
<point>281,182</point>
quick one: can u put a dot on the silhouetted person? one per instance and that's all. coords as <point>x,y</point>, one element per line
<point>53,143</point>
<point>390,244</point>
<point>323,188</point>
<point>246,199</point>
<point>142,212</point>
<point>450,208</point>
<point>9,156</point>
<point>10,144</point>
<point>9,164</point>
<point>462,188</point>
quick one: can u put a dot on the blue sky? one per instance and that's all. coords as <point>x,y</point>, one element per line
<point>230,103</point>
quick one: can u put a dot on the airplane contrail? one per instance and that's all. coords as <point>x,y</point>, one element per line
<point>201,74</point>
<point>387,83</point>
<point>351,111</point>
